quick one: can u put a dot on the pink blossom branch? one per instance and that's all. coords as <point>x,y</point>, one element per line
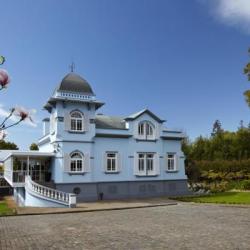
<point>2,125</point>
<point>4,79</point>
<point>19,112</point>
<point>14,124</point>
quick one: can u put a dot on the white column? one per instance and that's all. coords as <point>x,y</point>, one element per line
<point>28,165</point>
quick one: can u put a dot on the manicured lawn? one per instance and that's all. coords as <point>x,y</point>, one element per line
<point>4,209</point>
<point>224,198</point>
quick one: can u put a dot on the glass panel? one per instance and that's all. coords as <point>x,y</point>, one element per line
<point>17,165</point>
<point>109,164</point>
<point>73,165</point>
<point>113,165</point>
<point>79,165</point>
<point>141,129</point>
<point>24,163</point>
<point>171,164</point>
<point>149,129</point>
<point>170,156</point>
<point>150,164</point>
<point>111,155</point>
<point>76,115</point>
<point>141,164</point>
<point>79,125</point>
<point>150,155</point>
<point>73,124</point>
<point>141,155</point>
<point>76,155</point>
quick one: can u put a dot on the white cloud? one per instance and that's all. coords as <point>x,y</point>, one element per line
<point>232,12</point>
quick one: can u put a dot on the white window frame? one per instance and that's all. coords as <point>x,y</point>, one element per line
<point>171,162</point>
<point>146,163</point>
<point>77,161</point>
<point>113,160</point>
<point>146,130</point>
<point>76,121</point>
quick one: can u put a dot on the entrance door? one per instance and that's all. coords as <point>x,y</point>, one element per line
<point>35,171</point>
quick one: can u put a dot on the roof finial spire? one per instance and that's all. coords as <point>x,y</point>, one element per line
<point>72,66</point>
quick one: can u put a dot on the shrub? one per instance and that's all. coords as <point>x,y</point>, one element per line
<point>245,185</point>
<point>224,166</point>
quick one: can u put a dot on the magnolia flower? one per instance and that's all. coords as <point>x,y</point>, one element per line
<point>23,113</point>
<point>4,78</point>
<point>2,134</point>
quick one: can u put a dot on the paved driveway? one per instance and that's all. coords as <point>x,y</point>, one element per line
<point>184,226</point>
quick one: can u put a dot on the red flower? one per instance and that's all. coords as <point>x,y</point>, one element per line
<point>4,78</point>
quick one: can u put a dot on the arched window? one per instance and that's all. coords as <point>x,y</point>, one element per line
<point>76,121</point>
<point>146,130</point>
<point>76,162</point>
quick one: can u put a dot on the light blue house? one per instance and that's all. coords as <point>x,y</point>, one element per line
<point>86,156</point>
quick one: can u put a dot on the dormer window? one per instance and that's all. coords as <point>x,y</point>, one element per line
<point>146,130</point>
<point>76,121</point>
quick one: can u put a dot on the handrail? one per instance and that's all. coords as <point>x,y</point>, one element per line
<point>50,193</point>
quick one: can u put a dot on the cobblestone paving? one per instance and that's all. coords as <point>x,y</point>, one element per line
<point>184,226</point>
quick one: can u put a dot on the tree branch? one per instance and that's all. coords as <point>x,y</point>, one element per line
<point>14,124</point>
<point>6,118</point>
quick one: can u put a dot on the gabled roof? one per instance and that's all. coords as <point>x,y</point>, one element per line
<point>144,111</point>
<point>109,122</point>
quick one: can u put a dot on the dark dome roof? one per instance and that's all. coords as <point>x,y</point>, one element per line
<point>75,83</point>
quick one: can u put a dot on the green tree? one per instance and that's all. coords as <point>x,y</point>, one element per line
<point>8,145</point>
<point>247,72</point>
<point>241,124</point>
<point>217,128</point>
<point>34,146</point>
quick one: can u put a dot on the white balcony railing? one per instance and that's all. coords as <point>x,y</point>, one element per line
<point>50,194</point>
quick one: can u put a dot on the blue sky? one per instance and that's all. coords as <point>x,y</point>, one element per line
<point>181,59</point>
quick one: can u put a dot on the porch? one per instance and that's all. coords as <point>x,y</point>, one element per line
<point>37,165</point>
<point>29,174</point>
